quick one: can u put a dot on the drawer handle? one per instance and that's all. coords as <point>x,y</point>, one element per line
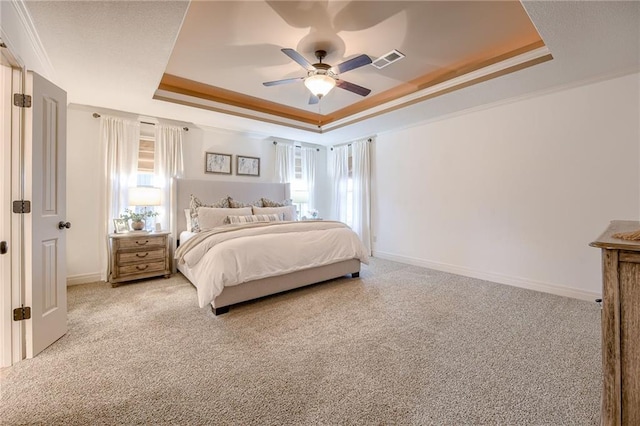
<point>142,267</point>
<point>141,244</point>
<point>142,255</point>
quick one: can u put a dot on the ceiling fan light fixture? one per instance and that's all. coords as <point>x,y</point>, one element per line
<point>319,84</point>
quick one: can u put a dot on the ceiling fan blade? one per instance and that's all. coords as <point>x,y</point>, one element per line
<point>362,91</point>
<point>285,81</point>
<point>351,64</point>
<point>298,58</point>
<point>313,99</point>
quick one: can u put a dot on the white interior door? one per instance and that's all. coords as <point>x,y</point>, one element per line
<point>6,358</point>
<point>44,239</point>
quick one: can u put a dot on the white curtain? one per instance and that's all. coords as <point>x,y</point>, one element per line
<point>119,139</point>
<point>361,175</point>
<point>285,162</point>
<point>339,172</point>
<point>308,156</point>
<point>351,204</point>
<point>168,164</point>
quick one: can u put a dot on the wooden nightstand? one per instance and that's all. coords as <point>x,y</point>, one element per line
<point>137,255</point>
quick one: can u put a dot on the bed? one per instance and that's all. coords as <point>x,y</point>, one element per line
<point>231,264</point>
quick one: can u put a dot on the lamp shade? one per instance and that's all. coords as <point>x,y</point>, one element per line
<point>319,84</point>
<point>300,197</point>
<point>144,196</point>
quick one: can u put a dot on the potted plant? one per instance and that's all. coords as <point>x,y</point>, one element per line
<point>137,219</point>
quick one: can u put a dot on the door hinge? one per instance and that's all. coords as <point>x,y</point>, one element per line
<point>22,313</point>
<point>21,100</point>
<point>22,206</point>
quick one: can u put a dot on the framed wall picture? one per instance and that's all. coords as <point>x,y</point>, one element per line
<point>247,166</point>
<point>120,226</point>
<point>217,163</point>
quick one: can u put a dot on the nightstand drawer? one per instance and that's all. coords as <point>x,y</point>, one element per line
<point>142,241</point>
<point>142,268</point>
<point>138,256</point>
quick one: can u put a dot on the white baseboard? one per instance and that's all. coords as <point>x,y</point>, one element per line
<point>493,277</point>
<point>83,279</point>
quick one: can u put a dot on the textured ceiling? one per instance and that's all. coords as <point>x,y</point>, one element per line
<point>113,55</point>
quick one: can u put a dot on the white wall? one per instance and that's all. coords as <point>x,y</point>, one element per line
<point>83,197</point>
<point>198,141</point>
<point>513,193</point>
<point>83,168</point>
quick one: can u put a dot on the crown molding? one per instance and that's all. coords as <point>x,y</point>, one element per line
<point>20,35</point>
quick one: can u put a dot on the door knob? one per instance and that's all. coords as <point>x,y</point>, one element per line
<point>62,225</point>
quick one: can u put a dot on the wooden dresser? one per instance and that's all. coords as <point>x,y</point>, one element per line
<point>620,325</point>
<point>138,255</point>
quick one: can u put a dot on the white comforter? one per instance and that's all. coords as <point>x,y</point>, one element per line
<point>233,254</point>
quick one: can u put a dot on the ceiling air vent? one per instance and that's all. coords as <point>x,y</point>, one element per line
<point>387,59</point>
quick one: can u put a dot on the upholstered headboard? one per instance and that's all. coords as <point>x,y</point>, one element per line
<point>210,191</point>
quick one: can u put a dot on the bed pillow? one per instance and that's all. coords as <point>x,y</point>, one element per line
<point>212,217</point>
<point>288,212</point>
<point>270,203</point>
<point>195,203</point>
<point>235,204</point>
<point>187,217</point>
<point>256,218</point>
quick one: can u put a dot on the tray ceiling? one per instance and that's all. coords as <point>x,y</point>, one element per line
<point>224,51</point>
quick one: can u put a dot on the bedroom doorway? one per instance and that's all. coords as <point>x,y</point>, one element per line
<point>33,266</point>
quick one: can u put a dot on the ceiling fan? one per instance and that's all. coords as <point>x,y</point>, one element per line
<point>321,77</point>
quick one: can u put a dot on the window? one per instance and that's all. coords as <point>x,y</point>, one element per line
<point>298,163</point>
<point>146,162</point>
<point>146,153</point>
<point>299,191</point>
<point>144,176</point>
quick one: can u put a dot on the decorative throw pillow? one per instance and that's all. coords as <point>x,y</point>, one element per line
<point>270,203</point>
<point>255,218</point>
<point>238,204</point>
<point>288,212</point>
<point>195,203</point>
<point>212,217</point>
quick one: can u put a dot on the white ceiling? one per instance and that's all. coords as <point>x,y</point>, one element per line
<point>112,55</point>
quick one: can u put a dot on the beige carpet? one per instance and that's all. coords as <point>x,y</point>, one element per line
<point>401,345</point>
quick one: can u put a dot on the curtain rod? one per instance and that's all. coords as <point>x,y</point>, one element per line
<point>295,146</point>
<point>349,143</point>
<point>96,115</point>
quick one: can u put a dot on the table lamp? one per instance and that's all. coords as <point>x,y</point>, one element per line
<point>145,196</point>
<point>299,198</point>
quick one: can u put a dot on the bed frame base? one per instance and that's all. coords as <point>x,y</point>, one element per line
<point>272,285</point>
<point>220,311</point>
